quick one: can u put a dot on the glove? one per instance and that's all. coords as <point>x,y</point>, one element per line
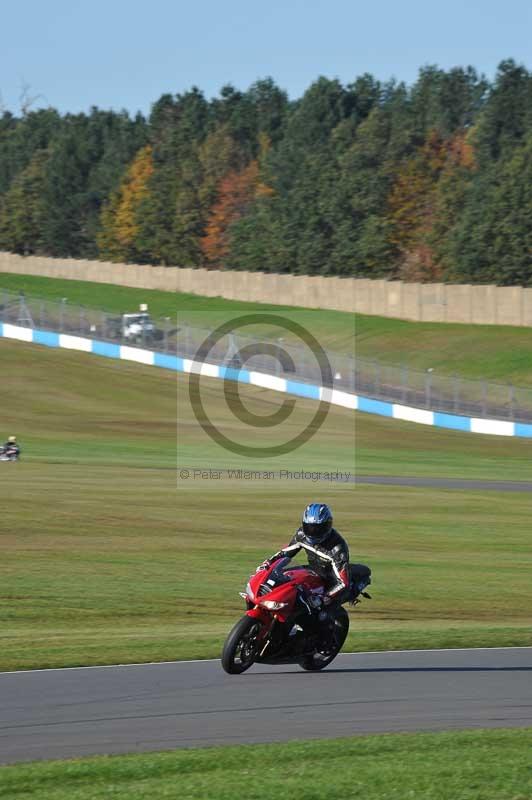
<point>265,565</point>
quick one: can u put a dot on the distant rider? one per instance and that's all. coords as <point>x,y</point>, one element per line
<point>11,448</point>
<point>328,556</point>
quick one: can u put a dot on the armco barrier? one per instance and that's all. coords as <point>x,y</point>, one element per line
<point>344,399</point>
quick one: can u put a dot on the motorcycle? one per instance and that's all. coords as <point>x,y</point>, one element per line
<point>8,454</point>
<point>281,625</point>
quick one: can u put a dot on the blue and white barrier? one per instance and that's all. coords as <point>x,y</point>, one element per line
<point>355,402</point>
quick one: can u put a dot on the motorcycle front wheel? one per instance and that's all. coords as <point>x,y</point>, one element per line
<point>322,658</point>
<point>240,648</point>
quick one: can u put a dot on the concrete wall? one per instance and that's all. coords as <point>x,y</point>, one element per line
<point>430,302</point>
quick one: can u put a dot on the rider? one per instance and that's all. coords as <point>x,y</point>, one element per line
<point>11,447</point>
<point>328,555</point>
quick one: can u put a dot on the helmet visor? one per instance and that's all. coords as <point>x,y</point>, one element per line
<point>316,532</point>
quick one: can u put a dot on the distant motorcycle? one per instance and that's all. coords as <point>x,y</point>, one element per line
<point>280,625</point>
<point>9,453</point>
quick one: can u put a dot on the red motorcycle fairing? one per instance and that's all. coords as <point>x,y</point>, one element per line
<point>260,614</point>
<point>275,586</point>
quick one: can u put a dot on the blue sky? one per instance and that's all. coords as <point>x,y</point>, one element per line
<point>126,53</point>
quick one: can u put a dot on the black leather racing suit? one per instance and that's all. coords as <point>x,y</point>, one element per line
<point>329,559</point>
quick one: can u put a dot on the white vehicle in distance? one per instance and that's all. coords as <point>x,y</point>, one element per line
<point>136,327</point>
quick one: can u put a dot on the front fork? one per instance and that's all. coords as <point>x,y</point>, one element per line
<point>268,626</point>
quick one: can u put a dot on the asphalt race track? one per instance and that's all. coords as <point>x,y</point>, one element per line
<point>445,483</point>
<point>416,482</point>
<point>74,712</point>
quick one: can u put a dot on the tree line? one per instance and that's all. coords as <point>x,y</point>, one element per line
<point>427,182</point>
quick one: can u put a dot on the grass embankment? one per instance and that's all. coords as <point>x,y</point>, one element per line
<point>471,765</point>
<point>496,353</point>
<point>104,560</point>
<point>491,352</point>
<point>334,329</point>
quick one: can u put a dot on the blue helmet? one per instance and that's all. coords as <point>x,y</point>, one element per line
<point>317,522</point>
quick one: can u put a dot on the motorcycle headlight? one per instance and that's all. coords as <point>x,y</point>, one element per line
<point>272,605</point>
<point>249,592</point>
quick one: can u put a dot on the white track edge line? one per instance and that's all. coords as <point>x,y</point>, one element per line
<point>107,666</point>
<point>211,660</point>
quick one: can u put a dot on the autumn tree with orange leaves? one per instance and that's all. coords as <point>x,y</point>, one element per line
<point>415,202</point>
<point>117,240</point>
<point>236,192</point>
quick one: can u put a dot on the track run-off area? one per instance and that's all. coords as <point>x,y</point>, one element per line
<point>394,480</point>
<point>97,570</point>
<point>66,713</point>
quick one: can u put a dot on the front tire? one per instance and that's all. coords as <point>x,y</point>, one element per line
<point>321,659</point>
<point>240,648</point>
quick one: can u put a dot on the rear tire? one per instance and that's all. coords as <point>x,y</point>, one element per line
<point>320,660</point>
<point>240,648</point>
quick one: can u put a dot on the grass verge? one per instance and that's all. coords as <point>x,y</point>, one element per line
<point>101,566</point>
<point>106,553</point>
<point>69,407</point>
<point>490,352</point>
<point>469,765</point>
<point>334,329</point>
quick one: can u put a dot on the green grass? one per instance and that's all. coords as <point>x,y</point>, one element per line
<point>106,552</point>
<point>66,407</point>
<point>469,765</point>
<point>69,407</point>
<point>334,329</point>
<point>386,446</point>
<point>102,566</point>
<point>491,352</point>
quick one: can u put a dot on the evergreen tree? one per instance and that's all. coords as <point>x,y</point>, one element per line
<point>22,209</point>
<point>492,242</point>
<point>21,138</point>
<point>171,224</point>
<point>507,114</point>
<point>360,242</point>
<point>374,179</point>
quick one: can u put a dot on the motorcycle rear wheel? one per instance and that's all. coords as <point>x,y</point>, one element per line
<point>320,660</point>
<point>240,648</point>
